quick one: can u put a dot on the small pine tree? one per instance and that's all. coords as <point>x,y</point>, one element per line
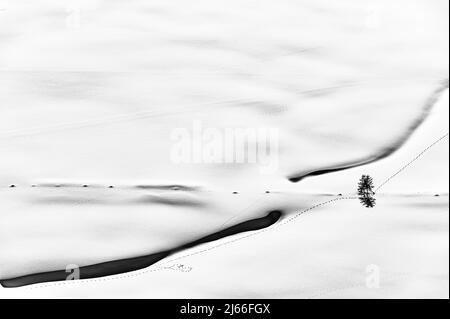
<point>365,186</point>
<point>369,202</point>
<point>365,191</point>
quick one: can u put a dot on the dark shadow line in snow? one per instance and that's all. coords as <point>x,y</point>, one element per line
<point>131,264</point>
<point>169,201</point>
<point>231,241</point>
<point>386,151</point>
<point>171,187</point>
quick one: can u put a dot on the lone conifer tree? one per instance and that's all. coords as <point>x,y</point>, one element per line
<point>365,191</point>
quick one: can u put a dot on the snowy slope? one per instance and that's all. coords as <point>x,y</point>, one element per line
<point>92,93</point>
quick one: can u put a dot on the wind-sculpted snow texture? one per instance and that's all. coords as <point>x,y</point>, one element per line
<point>91,96</point>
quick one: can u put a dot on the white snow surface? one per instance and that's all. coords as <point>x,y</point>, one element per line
<point>91,91</point>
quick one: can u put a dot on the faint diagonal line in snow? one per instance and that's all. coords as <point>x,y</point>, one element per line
<point>242,210</point>
<point>275,226</point>
<point>107,120</point>
<point>157,267</point>
<point>412,161</point>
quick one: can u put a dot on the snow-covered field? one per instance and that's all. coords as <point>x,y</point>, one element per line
<point>91,93</point>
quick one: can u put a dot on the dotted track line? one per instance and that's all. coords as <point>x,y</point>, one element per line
<point>275,226</point>
<point>152,268</point>
<point>92,280</point>
<point>260,231</point>
<point>412,161</point>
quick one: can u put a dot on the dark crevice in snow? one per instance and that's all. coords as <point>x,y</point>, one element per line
<point>386,151</point>
<point>131,264</point>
